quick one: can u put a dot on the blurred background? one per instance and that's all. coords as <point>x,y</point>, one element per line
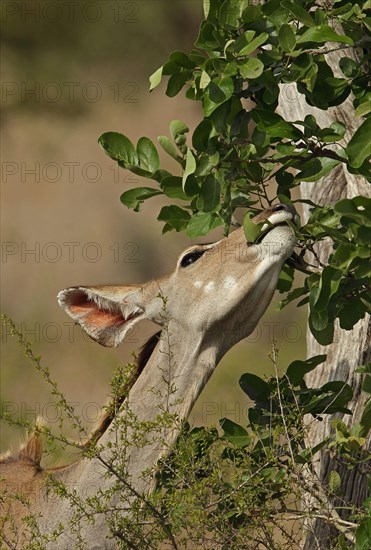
<point>71,71</point>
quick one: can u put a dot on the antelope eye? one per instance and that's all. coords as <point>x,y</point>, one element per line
<point>191,258</point>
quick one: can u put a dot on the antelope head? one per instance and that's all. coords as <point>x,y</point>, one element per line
<point>219,290</point>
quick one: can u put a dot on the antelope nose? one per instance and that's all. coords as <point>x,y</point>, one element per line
<point>279,207</point>
<point>286,208</point>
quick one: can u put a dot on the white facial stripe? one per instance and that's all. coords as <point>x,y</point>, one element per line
<point>229,282</point>
<point>209,287</point>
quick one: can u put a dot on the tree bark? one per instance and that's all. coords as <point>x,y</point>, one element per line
<point>350,349</point>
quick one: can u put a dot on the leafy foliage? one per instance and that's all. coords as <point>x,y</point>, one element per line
<point>243,56</point>
<point>242,483</point>
<point>246,51</point>
<point>342,289</point>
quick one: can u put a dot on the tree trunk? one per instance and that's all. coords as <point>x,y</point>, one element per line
<point>350,349</point>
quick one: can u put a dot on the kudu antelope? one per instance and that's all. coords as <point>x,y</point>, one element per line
<point>214,298</point>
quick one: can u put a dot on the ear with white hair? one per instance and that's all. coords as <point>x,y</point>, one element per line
<point>106,313</point>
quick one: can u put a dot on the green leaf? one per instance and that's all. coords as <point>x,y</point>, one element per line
<point>364,108</point>
<point>328,91</point>
<point>298,369</point>
<point>209,8</point>
<point>230,13</point>
<point>328,285</point>
<point>363,535</point>
<point>202,223</point>
<point>155,79</point>
<point>176,83</point>
<point>340,428</point>
<point>333,398</point>
<point>234,433</point>
<point>364,369</point>
<point>366,385</point>
<point>209,197</point>
<point>285,279</point>
<point>274,125</point>
<point>287,38</point>
<point>366,419</point>
<point>171,68</point>
<point>251,229</point>
<point>190,166</point>
<point>206,37</point>
<point>191,186</point>
<point>334,481</point>
<point>348,66</point>
<point>204,80</point>
<point>251,14</point>
<point>200,138</point>
<point>205,163</point>
<point>307,455</point>
<point>342,394</point>
<point>177,128</point>
<point>255,387</point>
<point>172,188</point>
<point>244,39</point>
<point>315,169</point>
<point>319,319</point>
<point>169,147</point>
<point>252,68</point>
<point>335,132</point>
<point>298,12</point>
<point>359,147</point>
<point>254,44</point>
<point>310,124</point>
<point>357,209</point>
<point>174,216</point>
<point>182,60</point>
<point>325,336</point>
<point>148,155</point>
<point>285,149</point>
<point>351,313</point>
<point>119,148</point>
<point>322,34</point>
<point>217,92</point>
<point>135,197</point>
<point>303,69</point>
<point>293,295</point>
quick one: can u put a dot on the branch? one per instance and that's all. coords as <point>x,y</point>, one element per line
<point>142,498</point>
<point>130,544</point>
<point>316,153</point>
<point>298,263</point>
<point>340,524</point>
<point>273,358</point>
<point>362,42</point>
<point>8,542</point>
<point>314,488</point>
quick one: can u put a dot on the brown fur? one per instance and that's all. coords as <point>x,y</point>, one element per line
<point>21,479</point>
<point>31,450</point>
<point>115,404</point>
<point>21,473</point>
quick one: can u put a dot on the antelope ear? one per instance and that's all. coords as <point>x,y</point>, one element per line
<point>106,313</point>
